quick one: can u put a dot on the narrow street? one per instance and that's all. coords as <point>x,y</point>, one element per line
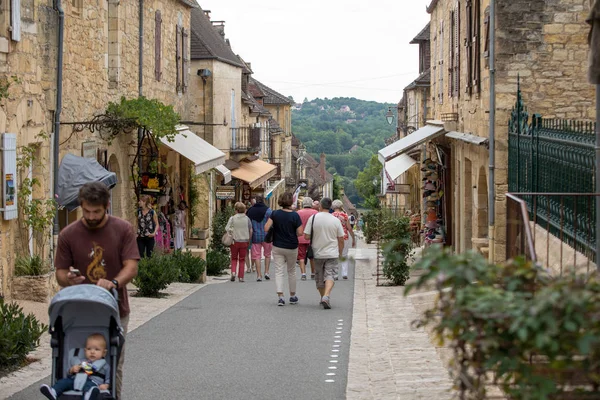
<point>231,341</point>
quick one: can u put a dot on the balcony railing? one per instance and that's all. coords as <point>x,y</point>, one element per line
<point>558,230</point>
<point>246,139</point>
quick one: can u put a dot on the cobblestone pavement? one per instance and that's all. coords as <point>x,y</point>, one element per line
<point>143,310</point>
<point>389,359</point>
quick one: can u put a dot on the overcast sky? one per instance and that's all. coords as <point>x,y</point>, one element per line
<point>326,48</point>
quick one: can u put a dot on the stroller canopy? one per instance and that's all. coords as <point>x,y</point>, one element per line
<point>84,305</point>
<point>76,171</point>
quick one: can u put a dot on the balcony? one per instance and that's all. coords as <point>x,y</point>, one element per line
<point>245,140</point>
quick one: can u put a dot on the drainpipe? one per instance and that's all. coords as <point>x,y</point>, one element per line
<point>492,138</point>
<point>59,81</point>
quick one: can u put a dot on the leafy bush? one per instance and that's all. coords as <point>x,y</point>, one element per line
<point>397,249</point>
<point>190,268</point>
<point>373,224</point>
<point>19,334</point>
<point>496,319</point>
<point>31,266</point>
<point>155,274</point>
<point>218,230</point>
<point>216,262</point>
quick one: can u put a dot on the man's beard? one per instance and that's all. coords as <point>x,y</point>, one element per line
<point>93,223</point>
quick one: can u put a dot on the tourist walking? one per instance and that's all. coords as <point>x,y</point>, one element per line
<point>180,225</point>
<point>328,246</point>
<point>287,226</point>
<point>349,238</point>
<point>147,226</point>
<point>306,212</point>
<point>259,214</point>
<point>240,227</point>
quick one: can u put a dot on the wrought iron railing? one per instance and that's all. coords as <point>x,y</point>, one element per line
<point>567,222</point>
<point>246,139</point>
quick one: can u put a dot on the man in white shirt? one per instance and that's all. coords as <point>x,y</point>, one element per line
<point>327,244</point>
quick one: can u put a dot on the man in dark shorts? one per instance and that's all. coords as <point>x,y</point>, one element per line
<point>99,249</point>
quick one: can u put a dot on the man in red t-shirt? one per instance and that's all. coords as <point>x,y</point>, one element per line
<point>306,212</point>
<point>103,250</point>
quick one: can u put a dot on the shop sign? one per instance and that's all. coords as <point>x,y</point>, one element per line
<point>246,193</point>
<point>89,150</point>
<point>152,184</point>
<point>400,188</point>
<point>225,192</point>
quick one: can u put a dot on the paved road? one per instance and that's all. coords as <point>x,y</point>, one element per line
<point>231,341</point>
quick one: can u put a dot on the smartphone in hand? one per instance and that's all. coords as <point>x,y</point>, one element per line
<point>76,272</point>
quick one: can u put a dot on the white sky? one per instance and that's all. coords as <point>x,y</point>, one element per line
<point>326,48</point>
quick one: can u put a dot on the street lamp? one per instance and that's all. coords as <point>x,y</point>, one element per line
<point>389,116</point>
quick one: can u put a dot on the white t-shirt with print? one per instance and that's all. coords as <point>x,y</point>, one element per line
<point>324,238</point>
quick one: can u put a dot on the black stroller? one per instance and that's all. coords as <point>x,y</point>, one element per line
<point>75,313</point>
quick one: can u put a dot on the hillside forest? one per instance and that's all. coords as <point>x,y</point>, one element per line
<point>349,131</point>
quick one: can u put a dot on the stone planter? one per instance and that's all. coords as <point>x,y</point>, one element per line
<point>34,288</point>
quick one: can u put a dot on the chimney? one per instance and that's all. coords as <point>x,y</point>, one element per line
<point>220,27</point>
<point>322,166</point>
<point>207,13</point>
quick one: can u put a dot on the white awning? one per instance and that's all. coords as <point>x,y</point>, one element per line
<point>225,172</point>
<point>467,137</point>
<point>416,138</point>
<point>197,150</point>
<point>399,165</point>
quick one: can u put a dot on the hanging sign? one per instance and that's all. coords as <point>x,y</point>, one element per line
<point>152,183</point>
<point>225,192</point>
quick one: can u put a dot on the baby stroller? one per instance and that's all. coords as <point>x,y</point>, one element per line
<point>75,313</point>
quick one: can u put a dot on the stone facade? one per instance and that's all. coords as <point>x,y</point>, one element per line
<point>543,43</point>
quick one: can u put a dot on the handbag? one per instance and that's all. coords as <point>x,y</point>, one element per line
<point>227,239</point>
<point>310,254</point>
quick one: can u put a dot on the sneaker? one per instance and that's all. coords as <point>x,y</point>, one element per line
<point>241,279</point>
<point>232,278</point>
<point>281,302</point>
<point>303,277</point>
<point>325,302</point>
<point>336,278</point>
<point>294,300</point>
<point>312,276</point>
<point>345,277</point>
<point>48,392</point>
<point>267,277</point>
<point>259,279</point>
<point>92,394</point>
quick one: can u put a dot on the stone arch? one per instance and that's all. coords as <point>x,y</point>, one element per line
<point>117,191</point>
<point>482,204</point>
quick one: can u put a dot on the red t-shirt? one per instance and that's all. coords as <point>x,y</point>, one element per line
<point>98,253</point>
<point>305,215</point>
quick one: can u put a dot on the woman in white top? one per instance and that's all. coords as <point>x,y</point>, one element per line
<point>240,227</point>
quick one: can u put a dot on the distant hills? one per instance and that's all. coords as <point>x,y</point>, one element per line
<point>348,130</point>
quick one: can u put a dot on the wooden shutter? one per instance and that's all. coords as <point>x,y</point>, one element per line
<point>469,47</point>
<point>186,59</point>
<point>476,47</point>
<point>452,50</point>
<point>178,58</point>
<point>157,45</point>
<point>486,29</point>
<point>456,45</point>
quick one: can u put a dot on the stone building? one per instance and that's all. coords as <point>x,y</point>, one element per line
<point>543,43</point>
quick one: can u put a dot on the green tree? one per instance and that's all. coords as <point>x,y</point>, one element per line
<point>351,171</point>
<point>367,183</point>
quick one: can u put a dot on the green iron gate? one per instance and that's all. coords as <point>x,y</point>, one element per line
<point>554,156</point>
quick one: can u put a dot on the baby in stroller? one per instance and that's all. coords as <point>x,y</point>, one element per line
<point>89,375</point>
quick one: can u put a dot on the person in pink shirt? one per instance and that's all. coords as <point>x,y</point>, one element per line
<point>306,212</point>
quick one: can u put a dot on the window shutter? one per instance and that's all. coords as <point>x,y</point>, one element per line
<point>456,44</point>
<point>178,58</point>
<point>469,47</point>
<point>186,59</point>
<point>15,7</point>
<point>486,49</point>
<point>452,59</point>
<point>9,177</point>
<point>441,64</point>
<point>476,47</point>
<point>157,45</point>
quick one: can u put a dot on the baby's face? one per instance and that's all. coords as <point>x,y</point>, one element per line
<point>95,349</point>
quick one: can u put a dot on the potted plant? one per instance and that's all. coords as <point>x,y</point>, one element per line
<point>33,280</point>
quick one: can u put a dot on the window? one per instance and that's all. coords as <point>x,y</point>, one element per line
<point>454,69</point>
<point>157,45</point>
<point>472,44</point>
<point>114,48</point>
<point>77,6</point>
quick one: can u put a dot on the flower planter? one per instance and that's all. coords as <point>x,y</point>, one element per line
<point>34,288</point>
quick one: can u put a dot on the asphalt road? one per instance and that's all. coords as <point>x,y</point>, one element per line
<point>231,341</point>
